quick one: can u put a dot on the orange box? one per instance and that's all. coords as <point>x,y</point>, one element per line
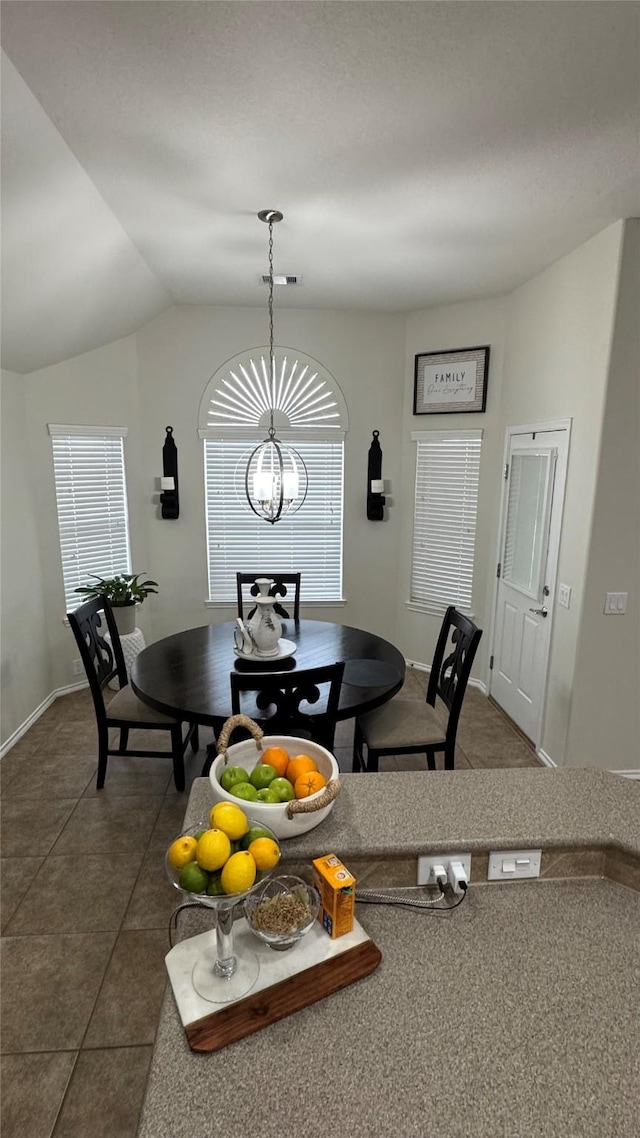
<point>337,889</point>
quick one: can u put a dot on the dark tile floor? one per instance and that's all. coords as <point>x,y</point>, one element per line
<point>86,905</point>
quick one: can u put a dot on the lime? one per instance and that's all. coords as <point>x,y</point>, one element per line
<point>182,851</point>
<point>193,879</point>
<point>239,873</point>
<point>265,852</point>
<point>231,775</point>
<point>215,886</point>
<point>199,834</point>
<point>229,818</point>
<point>262,775</point>
<point>253,833</point>
<point>213,850</point>
<point>267,795</point>
<point>244,790</point>
<point>283,788</point>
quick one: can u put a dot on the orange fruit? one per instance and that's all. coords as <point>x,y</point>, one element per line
<point>308,783</point>
<point>265,852</point>
<point>301,764</point>
<point>277,757</point>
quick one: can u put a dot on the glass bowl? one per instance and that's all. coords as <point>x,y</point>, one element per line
<point>221,900</point>
<point>282,923</point>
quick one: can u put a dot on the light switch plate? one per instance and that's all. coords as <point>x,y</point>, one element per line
<point>512,865</point>
<point>615,604</point>
<point>564,596</point>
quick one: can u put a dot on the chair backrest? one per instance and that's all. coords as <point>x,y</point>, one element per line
<point>285,703</point>
<point>246,585</point>
<point>459,638</point>
<point>102,660</point>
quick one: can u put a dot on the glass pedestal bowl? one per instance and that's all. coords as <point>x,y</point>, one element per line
<point>218,974</point>
<point>280,911</point>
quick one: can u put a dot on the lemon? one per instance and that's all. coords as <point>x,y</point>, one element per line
<point>213,850</point>
<point>182,851</point>
<point>265,852</point>
<point>229,818</point>
<point>239,873</point>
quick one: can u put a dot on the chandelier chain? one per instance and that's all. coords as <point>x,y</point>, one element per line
<point>272,362</point>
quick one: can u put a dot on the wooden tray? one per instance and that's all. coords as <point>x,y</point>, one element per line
<point>315,968</point>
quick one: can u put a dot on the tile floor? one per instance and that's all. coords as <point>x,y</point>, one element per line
<point>85,911</point>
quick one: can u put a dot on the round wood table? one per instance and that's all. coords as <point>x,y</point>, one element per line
<point>187,675</point>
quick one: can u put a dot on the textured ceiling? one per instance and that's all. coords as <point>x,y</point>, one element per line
<point>422,153</point>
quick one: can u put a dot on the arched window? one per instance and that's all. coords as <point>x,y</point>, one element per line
<point>309,413</point>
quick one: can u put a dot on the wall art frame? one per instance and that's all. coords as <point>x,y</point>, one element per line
<point>451,382</point>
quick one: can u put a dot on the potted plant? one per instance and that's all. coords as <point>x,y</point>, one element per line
<point>124,592</point>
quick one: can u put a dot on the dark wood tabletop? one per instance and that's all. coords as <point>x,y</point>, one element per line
<point>187,675</point>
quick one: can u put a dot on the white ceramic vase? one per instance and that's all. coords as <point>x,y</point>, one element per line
<point>265,627</point>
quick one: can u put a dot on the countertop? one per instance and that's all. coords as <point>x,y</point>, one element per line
<point>515,1014</point>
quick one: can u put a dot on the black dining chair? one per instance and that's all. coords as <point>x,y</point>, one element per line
<point>283,583</point>
<point>285,703</point>
<point>102,662</point>
<point>406,726</point>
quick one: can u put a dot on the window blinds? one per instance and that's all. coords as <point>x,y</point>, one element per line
<point>310,541</point>
<point>91,497</point>
<point>444,520</point>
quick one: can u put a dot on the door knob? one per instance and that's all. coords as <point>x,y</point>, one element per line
<point>539,612</point>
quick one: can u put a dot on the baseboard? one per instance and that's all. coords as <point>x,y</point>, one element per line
<point>35,715</point>
<point>545,758</point>
<point>627,774</point>
<point>419,667</point>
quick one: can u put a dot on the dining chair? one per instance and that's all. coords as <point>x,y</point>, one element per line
<point>103,660</point>
<point>299,702</point>
<point>406,726</point>
<point>278,589</point>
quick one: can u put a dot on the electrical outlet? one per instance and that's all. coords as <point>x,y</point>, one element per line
<point>77,668</point>
<point>511,865</point>
<point>426,866</point>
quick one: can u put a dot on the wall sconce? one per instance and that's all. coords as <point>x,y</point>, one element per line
<point>169,482</point>
<point>375,482</point>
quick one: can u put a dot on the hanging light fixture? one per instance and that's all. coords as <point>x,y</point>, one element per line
<point>275,480</point>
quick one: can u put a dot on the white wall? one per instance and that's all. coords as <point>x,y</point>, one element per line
<point>98,387</point>
<point>26,680</point>
<point>556,362</point>
<point>443,329</point>
<point>178,353</point>
<point>604,725</point>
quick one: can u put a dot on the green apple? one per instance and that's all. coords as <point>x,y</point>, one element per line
<point>267,795</point>
<point>262,775</point>
<point>231,775</point>
<point>283,788</point>
<point>244,790</point>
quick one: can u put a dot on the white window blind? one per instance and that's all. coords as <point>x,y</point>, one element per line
<point>444,520</point>
<point>310,541</point>
<point>91,497</point>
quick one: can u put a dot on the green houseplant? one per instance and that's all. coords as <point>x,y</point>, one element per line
<point>123,591</point>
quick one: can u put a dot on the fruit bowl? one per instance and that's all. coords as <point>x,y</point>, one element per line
<point>215,900</point>
<point>276,815</point>
<point>281,911</point>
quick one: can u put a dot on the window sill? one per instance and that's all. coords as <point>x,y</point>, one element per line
<point>232,604</point>
<point>427,610</point>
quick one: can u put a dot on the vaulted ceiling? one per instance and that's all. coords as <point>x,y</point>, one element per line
<point>422,153</point>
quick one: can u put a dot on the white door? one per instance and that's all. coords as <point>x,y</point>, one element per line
<point>531,527</point>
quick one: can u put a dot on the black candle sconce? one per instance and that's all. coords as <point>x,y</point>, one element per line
<point>169,482</point>
<point>375,482</point>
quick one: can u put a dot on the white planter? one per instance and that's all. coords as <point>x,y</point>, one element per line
<point>125,618</point>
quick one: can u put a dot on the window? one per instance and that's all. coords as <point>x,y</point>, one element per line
<point>91,495</point>
<point>444,519</point>
<point>310,415</point>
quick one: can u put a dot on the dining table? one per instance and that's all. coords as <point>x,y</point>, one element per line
<point>186,675</point>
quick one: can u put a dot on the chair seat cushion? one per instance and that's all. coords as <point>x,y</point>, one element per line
<point>126,705</point>
<point>402,723</point>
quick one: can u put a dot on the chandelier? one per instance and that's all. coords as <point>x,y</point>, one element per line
<point>275,480</point>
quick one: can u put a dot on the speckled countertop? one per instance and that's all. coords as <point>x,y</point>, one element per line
<point>513,1015</point>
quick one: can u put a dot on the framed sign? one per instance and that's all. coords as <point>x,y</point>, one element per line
<point>452,382</point>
